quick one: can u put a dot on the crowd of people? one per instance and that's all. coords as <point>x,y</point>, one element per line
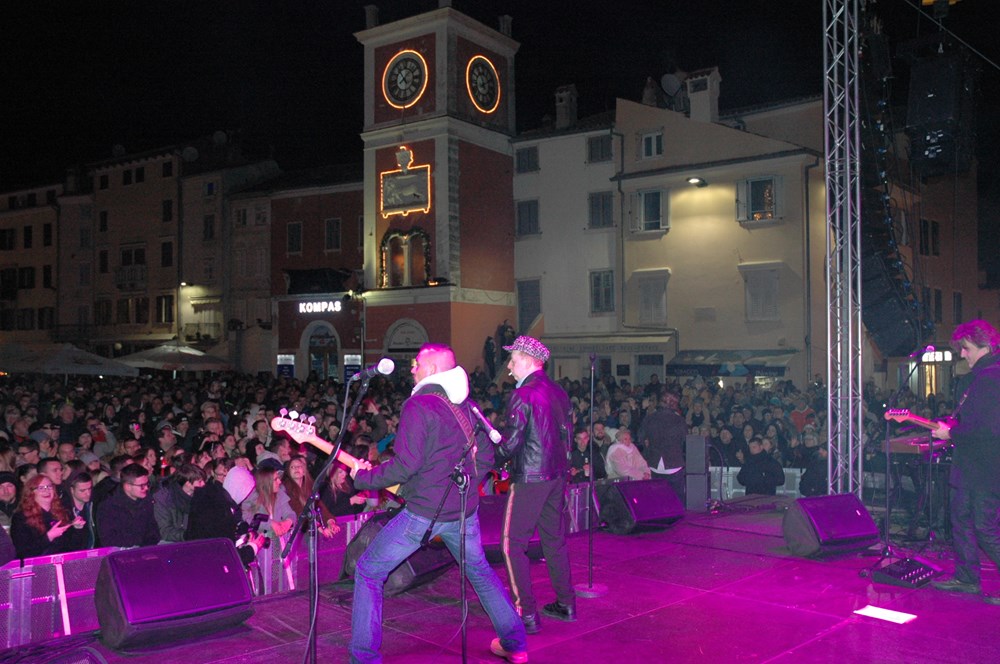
<point>119,462</point>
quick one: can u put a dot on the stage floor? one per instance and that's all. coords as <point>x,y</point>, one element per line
<point>710,588</point>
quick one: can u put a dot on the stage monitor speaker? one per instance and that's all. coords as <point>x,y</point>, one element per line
<point>423,566</point>
<point>697,494</point>
<point>156,594</point>
<point>696,454</point>
<point>626,505</point>
<point>491,512</point>
<point>828,524</point>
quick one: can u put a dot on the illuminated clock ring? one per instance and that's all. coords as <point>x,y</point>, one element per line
<point>482,83</point>
<point>404,79</point>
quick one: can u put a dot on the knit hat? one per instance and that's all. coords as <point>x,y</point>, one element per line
<point>7,477</point>
<point>239,483</point>
<point>529,346</point>
<point>87,457</point>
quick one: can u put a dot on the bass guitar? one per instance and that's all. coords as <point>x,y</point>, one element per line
<point>901,415</point>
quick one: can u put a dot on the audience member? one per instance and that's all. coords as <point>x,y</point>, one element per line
<point>760,473</point>
<point>126,518</point>
<point>625,460</point>
<point>40,525</point>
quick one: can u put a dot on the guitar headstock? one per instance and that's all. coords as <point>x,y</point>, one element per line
<point>299,427</point>
<point>897,414</point>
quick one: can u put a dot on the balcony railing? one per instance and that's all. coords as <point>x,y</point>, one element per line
<point>131,277</point>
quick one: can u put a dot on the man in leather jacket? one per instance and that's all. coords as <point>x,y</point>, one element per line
<point>537,432</point>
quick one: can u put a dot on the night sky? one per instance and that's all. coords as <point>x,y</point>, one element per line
<point>79,77</point>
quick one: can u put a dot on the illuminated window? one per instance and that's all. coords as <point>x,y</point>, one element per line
<point>758,199</point>
<point>405,259</point>
<point>164,309</point>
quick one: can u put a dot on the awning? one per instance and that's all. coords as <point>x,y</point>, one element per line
<point>710,363</point>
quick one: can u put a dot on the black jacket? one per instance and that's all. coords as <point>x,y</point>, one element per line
<point>428,444</point>
<point>538,430</point>
<point>124,522</point>
<point>761,474</point>
<point>976,434</point>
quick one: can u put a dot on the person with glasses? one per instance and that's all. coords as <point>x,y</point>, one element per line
<point>126,518</point>
<point>40,525</point>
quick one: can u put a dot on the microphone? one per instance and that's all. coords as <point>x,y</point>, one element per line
<point>384,367</point>
<point>490,431</point>
<point>917,354</point>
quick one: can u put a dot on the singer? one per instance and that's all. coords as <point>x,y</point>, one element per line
<point>975,493</point>
<point>536,436</point>
<point>430,442</point>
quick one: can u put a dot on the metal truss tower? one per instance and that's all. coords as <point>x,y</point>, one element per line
<point>843,245</point>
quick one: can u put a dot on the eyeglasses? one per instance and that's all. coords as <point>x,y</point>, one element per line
<point>44,487</point>
<point>140,485</point>
<point>48,426</point>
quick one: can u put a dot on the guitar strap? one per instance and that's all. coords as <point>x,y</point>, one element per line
<point>470,437</point>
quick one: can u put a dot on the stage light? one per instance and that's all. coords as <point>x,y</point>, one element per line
<point>697,181</point>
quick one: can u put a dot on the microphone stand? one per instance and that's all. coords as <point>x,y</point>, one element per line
<point>311,515</point>
<point>887,550</point>
<point>591,591</point>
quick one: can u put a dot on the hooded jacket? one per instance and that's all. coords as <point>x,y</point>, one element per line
<point>428,445</point>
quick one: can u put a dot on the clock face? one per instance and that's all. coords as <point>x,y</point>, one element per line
<point>483,84</point>
<point>405,79</point>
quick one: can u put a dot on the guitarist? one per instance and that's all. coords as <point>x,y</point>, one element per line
<point>430,441</point>
<point>975,489</point>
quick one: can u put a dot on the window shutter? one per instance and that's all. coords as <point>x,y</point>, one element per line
<point>779,197</point>
<point>664,210</point>
<point>742,195</point>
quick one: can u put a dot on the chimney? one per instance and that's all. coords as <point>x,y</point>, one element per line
<point>703,93</point>
<point>505,24</point>
<point>371,16</point>
<point>566,106</point>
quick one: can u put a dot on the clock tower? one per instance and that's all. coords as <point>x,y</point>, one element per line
<point>439,210</point>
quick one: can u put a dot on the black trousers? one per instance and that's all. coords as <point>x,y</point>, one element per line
<point>975,525</point>
<point>540,504</point>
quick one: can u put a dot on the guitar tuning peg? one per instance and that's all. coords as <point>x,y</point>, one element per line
<point>284,412</point>
<point>302,417</point>
<point>293,414</point>
<point>312,419</point>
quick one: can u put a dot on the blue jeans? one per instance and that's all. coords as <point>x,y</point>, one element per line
<point>394,544</point>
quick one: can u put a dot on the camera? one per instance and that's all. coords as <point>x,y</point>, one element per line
<point>247,530</point>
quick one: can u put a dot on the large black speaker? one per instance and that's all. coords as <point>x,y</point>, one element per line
<point>422,566</point>
<point>491,514</point>
<point>935,91</point>
<point>625,505</point>
<point>161,593</point>
<point>828,524</point>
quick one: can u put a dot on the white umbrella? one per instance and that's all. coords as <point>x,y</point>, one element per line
<point>173,357</point>
<point>59,359</point>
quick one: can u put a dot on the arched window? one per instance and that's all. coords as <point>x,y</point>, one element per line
<point>405,258</point>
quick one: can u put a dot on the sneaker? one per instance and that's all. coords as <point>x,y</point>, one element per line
<point>532,624</point>
<point>500,651</point>
<point>560,611</point>
<point>954,585</point>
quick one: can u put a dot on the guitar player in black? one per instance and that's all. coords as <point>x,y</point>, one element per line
<point>975,487</point>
